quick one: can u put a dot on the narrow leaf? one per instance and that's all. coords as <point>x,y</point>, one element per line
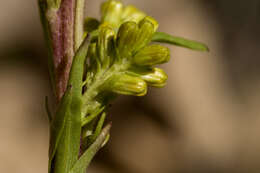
<point>83,162</point>
<point>178,41</point>
<point>77,68</point>
<point>66,126</point>
<point>68,150</point>
<point>89,118</point>
<point>98,128</point>
<point>58,124</point>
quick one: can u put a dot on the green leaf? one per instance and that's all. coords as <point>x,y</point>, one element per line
<point>58,124</point>
<point>89,118</point>
<point>83,162</point>
<point>77,68</point>
<point>178,41</point>
<point>66,127</point>
<point>98,128</point>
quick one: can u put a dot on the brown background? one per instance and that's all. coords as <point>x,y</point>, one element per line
<point>206,120</point>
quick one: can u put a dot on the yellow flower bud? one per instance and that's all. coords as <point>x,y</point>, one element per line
<point>155,77</point>
<point>152,55</point>
<point>111,12</point>
<point>127,85</point>
<point>126,38</point>
<point>145,34</point>
<point>105,43</point>
<point>152,20</point>
<point>93,58</point>
<point>131,13</point>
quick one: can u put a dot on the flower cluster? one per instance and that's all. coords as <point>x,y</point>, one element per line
<point>121,55</point>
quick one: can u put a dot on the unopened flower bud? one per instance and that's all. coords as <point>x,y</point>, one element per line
<point>111,12</point>
<point>126,38</point>
<point>127,85</point>
<point>152,55</point>
<point>152,20</point>
<point>145,34</point>
<point>131,13</point>
<point>93,58</point>
<point>155,77</point>
<point>104,44</point>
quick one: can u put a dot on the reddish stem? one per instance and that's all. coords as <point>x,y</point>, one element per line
<point>61,23</point>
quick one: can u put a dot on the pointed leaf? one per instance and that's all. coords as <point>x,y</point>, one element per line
<point>66,126</point>
<point>98,128</point>
<point>83,162</point>
<point>178,41</point>
<point>58,124</point>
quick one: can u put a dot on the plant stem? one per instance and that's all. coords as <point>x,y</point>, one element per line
<point>79,22</point>
<point>61,26</point>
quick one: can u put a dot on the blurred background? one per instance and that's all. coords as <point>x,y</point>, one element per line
<point>206,120</point>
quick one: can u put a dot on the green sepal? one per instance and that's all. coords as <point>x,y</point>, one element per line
<point>178,41</point>
<point>83,162</point>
